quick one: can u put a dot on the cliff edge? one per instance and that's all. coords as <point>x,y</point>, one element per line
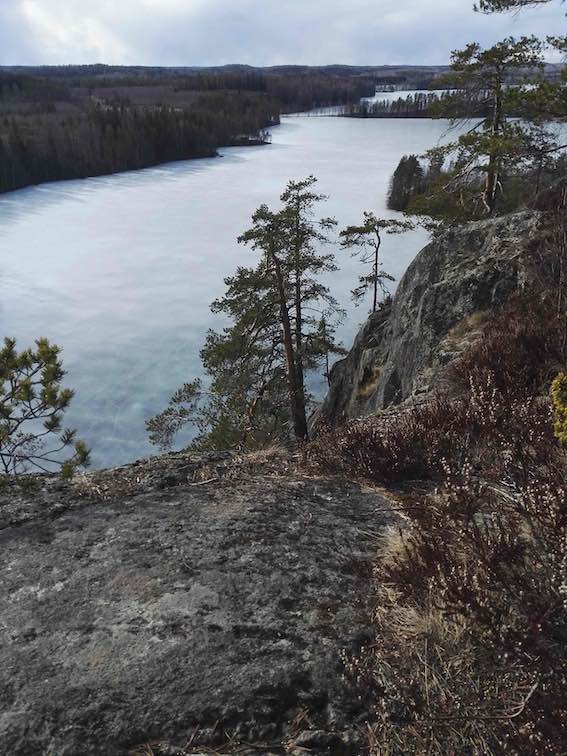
<point>402,350</point>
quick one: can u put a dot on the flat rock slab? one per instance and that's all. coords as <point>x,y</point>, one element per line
<point>180,611</point>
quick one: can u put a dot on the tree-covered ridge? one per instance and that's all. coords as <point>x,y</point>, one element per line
<point>75,121</point>
<point>410,76</point>
<point>49,143</point>
<point>293,91</point>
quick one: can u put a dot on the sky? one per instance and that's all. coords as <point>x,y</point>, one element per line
<point>257,32</point>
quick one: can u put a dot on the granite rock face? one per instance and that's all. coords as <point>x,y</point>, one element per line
<point>179,601</point>
<point>402,349</point>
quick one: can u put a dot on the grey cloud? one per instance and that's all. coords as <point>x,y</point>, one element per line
<point>261,32</point>
<point>15,42</point>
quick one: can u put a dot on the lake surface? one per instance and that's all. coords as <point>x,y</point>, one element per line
<point>120,270</point>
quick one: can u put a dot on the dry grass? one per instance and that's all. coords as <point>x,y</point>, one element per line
<point>232,747</point>
<point>393,546</point>
<point>369,383</point>
<point>465,333</point>
<point>232,744</point>
<point>440,683</point>
<point>175,469</point>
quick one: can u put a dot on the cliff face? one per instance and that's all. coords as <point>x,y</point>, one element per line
<point>402,349</point>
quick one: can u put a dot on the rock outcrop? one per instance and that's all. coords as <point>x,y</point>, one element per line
<point>402,349</point>
<point>180,602</point>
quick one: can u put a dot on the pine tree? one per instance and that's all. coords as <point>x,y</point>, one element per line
<point>32,405</point>
<point>256,366</point>
<point>498,6</point>
<point>303,237</point>
<point>290,242</point>
<point>366,241</point>
<point>406,182</point>
<point>483,163</point>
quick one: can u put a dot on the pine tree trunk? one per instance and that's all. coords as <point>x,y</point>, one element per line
<point>491,185</point>
<point>492,175</point>
<point>296,395</point>
<point>375,304</point>
<point>298,313</point>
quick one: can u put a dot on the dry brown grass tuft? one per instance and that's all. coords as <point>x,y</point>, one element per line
<point>369,383</point>
<point>465,333</point>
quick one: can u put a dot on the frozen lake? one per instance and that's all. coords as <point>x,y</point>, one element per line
<point>120,270</point>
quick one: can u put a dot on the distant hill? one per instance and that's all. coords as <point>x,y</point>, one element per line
<point>390,74</point>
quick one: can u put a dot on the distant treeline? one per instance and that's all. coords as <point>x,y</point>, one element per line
<point>27,88</point>
<point>110,138</point>
<point>409,76</point>
<point>447,104</point>
<point>293,92</point>
<point>417,105</point>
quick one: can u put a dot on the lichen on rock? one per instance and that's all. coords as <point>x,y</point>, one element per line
<point>180,599</point>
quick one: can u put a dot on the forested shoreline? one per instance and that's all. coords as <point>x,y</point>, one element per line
<point>109,138</point>
<point>71,123</point>
<point>415,105</point>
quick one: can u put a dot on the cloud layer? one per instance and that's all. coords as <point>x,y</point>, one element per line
<point>258,32</point>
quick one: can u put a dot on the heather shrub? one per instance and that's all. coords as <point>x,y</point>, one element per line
<point>406,446</point>
<point>497,397</point>
<point>470,650</point>
<point>470,654</point>
<point>423,442</point>
<point>520,347</point>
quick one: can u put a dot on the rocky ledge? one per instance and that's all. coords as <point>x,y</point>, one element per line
<point>402,349</point>
<point>180,604</point>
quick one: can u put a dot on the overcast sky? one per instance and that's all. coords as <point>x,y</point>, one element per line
<point>258,32</point>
